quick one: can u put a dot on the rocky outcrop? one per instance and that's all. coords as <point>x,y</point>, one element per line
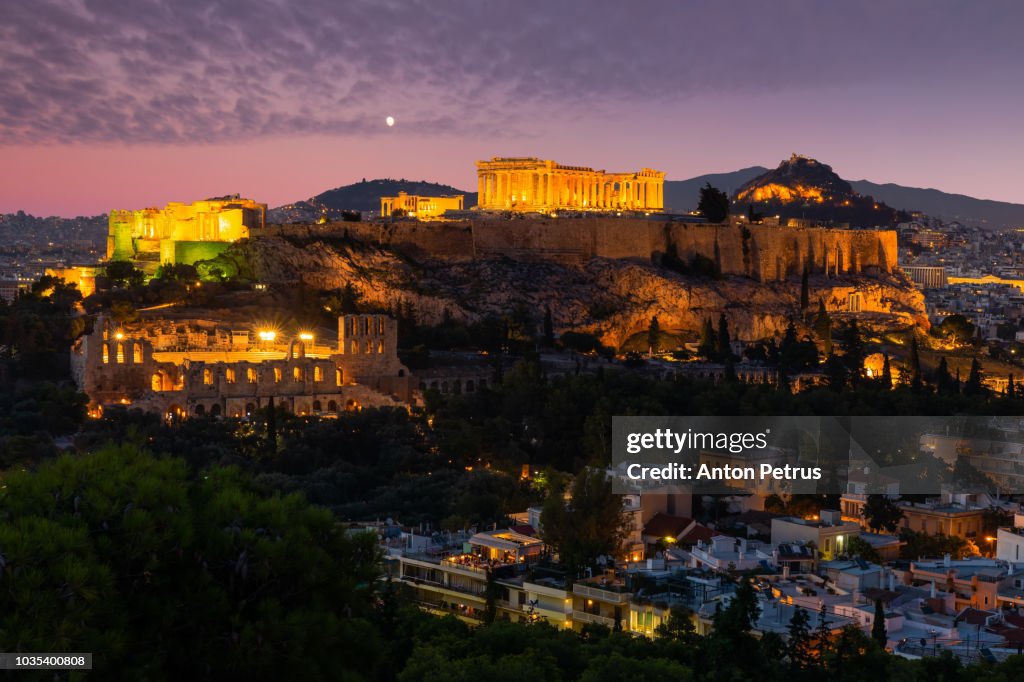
<point>611,298</point>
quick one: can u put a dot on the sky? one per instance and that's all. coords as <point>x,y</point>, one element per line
<point>128,104</point>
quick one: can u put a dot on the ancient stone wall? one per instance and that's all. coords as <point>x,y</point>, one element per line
<point>764,252</point>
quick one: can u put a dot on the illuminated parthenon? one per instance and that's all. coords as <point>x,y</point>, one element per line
<point>531,184</point>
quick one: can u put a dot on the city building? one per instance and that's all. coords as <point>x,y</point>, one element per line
<point>829,533</point>
<point>943,516</point>
<point>532,184</point>
<point>455,582</point>
<point>423,208</point>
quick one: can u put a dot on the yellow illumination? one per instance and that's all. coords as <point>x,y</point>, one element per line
<point>119,335</point>
<point>267,335</point>
<point>305,336</point>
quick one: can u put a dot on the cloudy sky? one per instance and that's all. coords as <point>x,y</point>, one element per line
<point>123,104</point>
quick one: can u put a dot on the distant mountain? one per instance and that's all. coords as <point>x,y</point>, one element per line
<point>682,195</point>
<point>361,196</point>
<point>948,207</point>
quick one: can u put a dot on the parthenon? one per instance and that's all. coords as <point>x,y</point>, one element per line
<point>532,184</point>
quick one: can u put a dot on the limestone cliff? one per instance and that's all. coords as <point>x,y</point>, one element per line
<point>612,298</point>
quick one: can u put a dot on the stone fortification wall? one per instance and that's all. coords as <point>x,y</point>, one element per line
<point>765,252</point>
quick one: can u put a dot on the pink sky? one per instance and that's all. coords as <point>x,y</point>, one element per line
<point>127,106</point>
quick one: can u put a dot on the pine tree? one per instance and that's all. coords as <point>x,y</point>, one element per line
<point>878,632</point>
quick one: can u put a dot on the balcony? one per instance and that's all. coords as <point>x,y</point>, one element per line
<point>611,594</point>
<point>584,617</point>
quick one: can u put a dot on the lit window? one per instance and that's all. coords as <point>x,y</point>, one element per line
<point>208,377</point>
<point>229,375</point>
<point>277,375</point>
<point>338,376</point>
<point>120,353</point>
<point>380,347</point>
<point>250,375</point>
<point>297,374</point>
<point>318,374</point>
<point>137,353</point>
<point>355,346</point>
<point>106,354</point>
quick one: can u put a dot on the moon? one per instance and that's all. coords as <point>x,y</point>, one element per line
<point>390,120</point>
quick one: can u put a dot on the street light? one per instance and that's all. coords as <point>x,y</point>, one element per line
<point>305,336</point>
<point>267,335</point>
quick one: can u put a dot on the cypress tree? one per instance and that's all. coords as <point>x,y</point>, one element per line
<point>943,381</point>
<point>707,340</point>
<point>1011,391</point>
<point>915,366</point>
<point>724,346</point>
<point>549,328</point>
<point>886,373</point>
<point>653,334</point>
<point>271,427</point>
<point>878,632</point>
<point>973,385</point>
<point>805,292</point>
<point>823,327</point>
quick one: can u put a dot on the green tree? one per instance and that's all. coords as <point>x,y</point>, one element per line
<point>589,526</point>
<point>121,552</point>
<point>800,645</point>
<point>881,513</point>
<point>858,546</point>
<point>123,273</point>
<point>713,204</point>
<point>956,328</point>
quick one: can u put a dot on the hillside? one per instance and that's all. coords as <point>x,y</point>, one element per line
<point>949,207</point>
<point>682,195</point>
<point>360,196</point>
<point>609,297</point>
<point>801,187</point>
